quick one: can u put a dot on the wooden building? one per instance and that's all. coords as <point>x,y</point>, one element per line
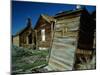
<point>43,31</point>
<point>65,24</point>
<point>68,22</point>
<point>25,37</point>
<point>65,39</point>
<point>73,39</point>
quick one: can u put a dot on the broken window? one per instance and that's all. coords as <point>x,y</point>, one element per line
<point>43,34</point>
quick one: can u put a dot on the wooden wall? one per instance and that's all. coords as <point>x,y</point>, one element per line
<point>47,26</point>
<point>24,42</point>
<point>16,40</point>
<point>65,26</point>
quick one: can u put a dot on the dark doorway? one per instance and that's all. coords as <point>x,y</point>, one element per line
<point>30,39</point>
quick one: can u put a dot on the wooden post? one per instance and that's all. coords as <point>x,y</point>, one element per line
<point>52,36</point>
<point>36,39</point>
<point>52,30</point>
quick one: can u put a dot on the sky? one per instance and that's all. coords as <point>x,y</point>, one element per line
<point>23,10</point>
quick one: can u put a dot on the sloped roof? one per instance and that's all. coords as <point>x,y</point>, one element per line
<point>48,18</point>
<point>68,12</point>
<point>21,31</point>
<point>29,24</point>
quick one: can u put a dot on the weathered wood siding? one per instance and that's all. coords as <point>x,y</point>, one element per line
<point>67,26</point>
<point>47,26</point>
<point>64,44</point>
<point>16,40</point>
<point>24,42</point>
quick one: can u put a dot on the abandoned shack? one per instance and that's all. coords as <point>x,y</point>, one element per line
<point>25,37</point>
<point>43,31</point>
<point>73,39</point>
